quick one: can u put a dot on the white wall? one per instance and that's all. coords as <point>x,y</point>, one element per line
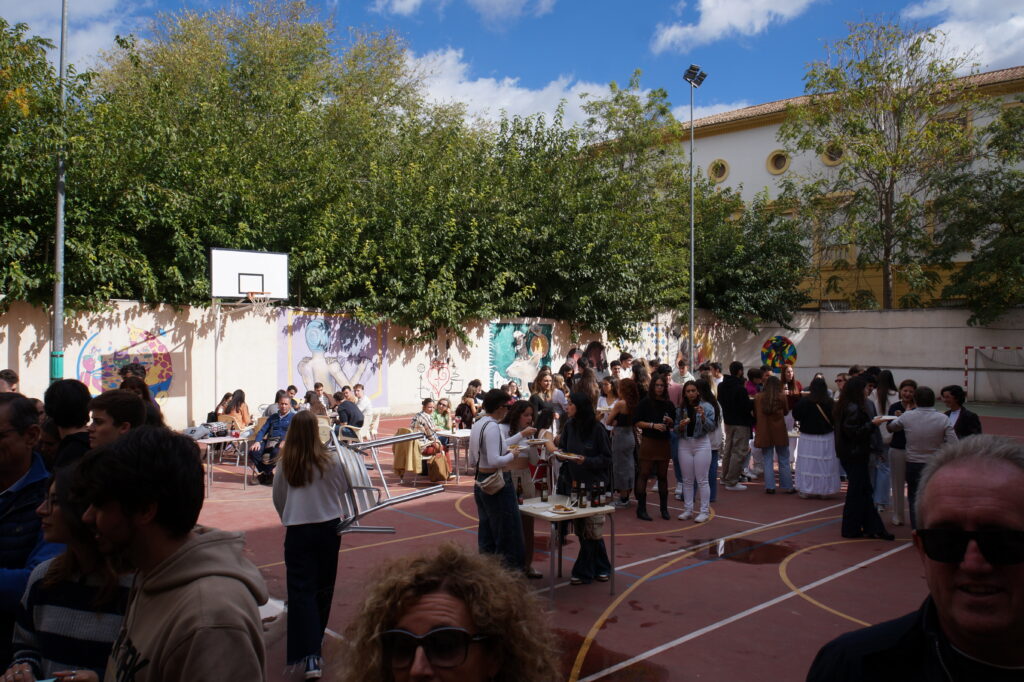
<point>254,352</point>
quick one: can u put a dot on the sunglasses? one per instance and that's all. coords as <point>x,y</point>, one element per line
<point>445,647</point>
<point>949,545</point>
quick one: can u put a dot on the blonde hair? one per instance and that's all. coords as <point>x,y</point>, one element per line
<point>498,601</point>
<point>302,450</point>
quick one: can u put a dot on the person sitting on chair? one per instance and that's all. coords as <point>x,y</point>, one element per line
<point>264,449</point>
<point>350,417</point>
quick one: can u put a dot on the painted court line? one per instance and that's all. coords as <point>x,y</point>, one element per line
<point>733,518</point>
<point>739,616</point>
<point>744,533</point>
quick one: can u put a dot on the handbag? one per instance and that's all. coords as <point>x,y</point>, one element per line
<point>494,482</point>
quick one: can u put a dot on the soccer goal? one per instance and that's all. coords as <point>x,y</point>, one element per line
<point>994,373</point>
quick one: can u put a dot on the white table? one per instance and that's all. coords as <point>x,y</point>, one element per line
<point>220,443</point>
<point>457,436</point>
<point>541,510</point>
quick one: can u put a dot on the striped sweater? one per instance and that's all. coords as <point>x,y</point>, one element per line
<point>59,628</point>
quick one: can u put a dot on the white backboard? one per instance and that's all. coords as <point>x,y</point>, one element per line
<point>235,273</point>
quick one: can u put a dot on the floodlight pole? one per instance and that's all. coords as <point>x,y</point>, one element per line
<point>57,342</point>
<point>694,77</point>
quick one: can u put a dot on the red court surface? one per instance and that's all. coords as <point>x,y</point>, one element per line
<point>750,595</point>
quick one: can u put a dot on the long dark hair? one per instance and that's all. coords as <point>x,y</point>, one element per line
<point>544,419</point>
<point>852,394</point>
<point>236,402</point>
<point>708,396</point>
<point>817,392</point>
<point>585,419</point>
<point>514,413</point>
<point>884,387</point>
<point>313,400</point>
<point>65,566</point>
<point>629,392</point>
<point>771,396</point>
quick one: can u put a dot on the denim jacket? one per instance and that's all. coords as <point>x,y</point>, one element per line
<point>702,427</point>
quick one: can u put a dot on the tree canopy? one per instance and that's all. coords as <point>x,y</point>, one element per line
<point>254,131</point>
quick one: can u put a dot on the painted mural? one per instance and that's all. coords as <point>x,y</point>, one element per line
<point>517,350</point>
<point>106,352</point>
<point>778,351</point>
<point>334,350</point>
<point>653,342</point>
<point>440,379</point>
<point>704,350</point>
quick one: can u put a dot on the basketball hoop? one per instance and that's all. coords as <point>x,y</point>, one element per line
<point>259,300</point>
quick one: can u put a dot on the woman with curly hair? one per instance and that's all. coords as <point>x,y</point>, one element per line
<point>449,615</point>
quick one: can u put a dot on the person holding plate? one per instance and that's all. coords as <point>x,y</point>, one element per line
<point>586,437</point>
<point>517,419</point>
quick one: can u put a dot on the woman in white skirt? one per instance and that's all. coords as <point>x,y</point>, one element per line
<point>817,470</point>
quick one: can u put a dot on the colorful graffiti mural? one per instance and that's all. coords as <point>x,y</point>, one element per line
<point>704,350</point>
<point>106,352</point>
<point>517,350</point>
<point>778,351</point>
<point>334,350</point>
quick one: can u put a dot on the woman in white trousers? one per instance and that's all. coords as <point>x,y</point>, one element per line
<point>696,420</point>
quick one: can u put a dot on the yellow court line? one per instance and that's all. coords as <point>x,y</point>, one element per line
<point>784,574</point>
<point>588,641</point>
<point>385,542</point>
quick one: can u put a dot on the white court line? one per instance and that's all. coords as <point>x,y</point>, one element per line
<point>709,543</point>
<point>733,518</point>
<point>743,614</point>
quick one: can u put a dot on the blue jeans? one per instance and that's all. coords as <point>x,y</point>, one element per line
<point>785,474</point>
<point>880,481</point>
<point>500,530</point>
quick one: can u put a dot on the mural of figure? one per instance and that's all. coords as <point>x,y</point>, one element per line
<point>334,350</point>
<point>104,353</point>
<point>518,351</point>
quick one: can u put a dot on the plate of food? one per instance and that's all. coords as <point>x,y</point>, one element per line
<point>569,456</point>
<point>561,509</point>
<point>535,441</point>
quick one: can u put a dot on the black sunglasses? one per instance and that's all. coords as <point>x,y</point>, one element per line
<point>445,647</point>
<point>949,545</point>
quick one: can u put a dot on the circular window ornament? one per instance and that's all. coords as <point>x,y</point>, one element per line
<point>832,156</point>
<point>778,162</point>
<point>718,170</point>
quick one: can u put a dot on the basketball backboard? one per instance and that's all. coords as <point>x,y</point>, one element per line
<point>234,273</point>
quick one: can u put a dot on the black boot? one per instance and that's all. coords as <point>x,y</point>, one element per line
<point>641,507</point>
<point>663,495</point>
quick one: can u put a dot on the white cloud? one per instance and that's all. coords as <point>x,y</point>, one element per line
<point>725,18</point>
<point>92,24</point>
<point>448,79</point>
<point>401,7</point>
<point>992,29</point>
<point>682,112</point>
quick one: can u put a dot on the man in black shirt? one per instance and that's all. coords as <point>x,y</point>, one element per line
<point>67,404</point>
<point>349,414</point>
<point>738,416</point>
<point>970,540</point>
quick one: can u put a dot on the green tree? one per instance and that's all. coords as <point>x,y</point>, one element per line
<point>894,109</point>
<point>31,131</point>
<point>982,215</point>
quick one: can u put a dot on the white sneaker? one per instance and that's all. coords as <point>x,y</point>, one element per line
<point>679,490</point>
<point>655,488</point>
<point>736,488</point>
<point>701,518</point>
<point>685,516</point>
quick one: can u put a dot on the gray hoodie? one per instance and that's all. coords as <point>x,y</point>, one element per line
<point>194,617</point>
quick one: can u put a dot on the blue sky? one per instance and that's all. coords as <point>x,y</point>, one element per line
<point>525,55</point>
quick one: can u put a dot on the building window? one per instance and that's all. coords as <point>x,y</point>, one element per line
<point>718,170</point>
<point>778,162</point>
<point>832,156</point>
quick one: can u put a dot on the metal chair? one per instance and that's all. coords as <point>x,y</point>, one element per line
<point>361,498</point>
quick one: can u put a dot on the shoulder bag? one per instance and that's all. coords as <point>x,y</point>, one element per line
<point>494,482</point>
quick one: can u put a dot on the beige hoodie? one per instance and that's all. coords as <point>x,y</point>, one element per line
<point>195,617</point>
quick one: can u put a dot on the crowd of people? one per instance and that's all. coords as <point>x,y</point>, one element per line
<point>105,574</point>
<point>868,430</point>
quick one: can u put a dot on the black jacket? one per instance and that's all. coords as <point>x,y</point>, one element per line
<point>908,649</point>
<point>967,424</point>
<point>737,407</point>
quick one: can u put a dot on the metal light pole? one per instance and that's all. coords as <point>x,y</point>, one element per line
<point>57,344</point>
<point>694,76</point>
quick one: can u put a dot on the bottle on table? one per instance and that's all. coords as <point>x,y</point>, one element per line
<point>583,495</point>
<point>574,494</point>
<point>543,485</point>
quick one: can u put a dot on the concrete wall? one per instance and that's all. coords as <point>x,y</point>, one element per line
<point>287,346</point>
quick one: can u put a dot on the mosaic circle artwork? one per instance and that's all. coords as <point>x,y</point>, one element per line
<point>778,351</point>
